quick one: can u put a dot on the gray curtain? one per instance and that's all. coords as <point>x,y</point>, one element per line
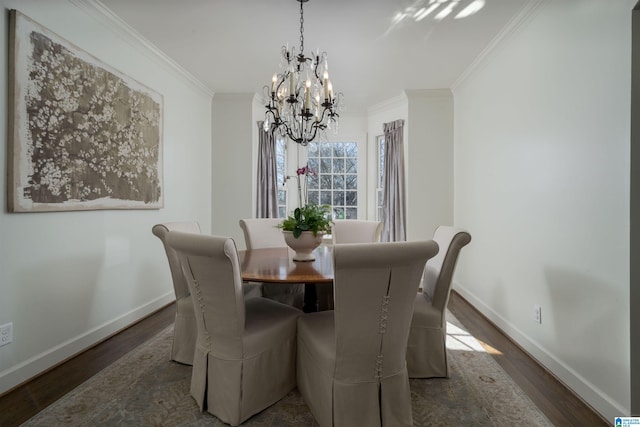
<point>393,201</point>
<point>267,191</point>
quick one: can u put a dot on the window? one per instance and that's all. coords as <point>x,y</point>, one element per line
<point>379,176</point>
<point>336,183</point>
<point>281,161</point>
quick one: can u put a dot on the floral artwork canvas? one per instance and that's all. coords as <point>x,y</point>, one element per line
<point>83,136</point>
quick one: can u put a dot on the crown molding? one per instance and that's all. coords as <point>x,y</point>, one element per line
<point>427,93</point>
<point>397,101</point>
<point>507,31</point>
<point>104,15</point>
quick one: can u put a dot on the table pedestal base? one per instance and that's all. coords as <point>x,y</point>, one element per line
<point>310,298</point>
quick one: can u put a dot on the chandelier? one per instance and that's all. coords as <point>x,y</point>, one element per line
<point>300,102</point>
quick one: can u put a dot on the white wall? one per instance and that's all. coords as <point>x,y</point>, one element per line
<point>69,279</point>
<point>542,183</point>
<point>232,164</point>
<point>429,136</point>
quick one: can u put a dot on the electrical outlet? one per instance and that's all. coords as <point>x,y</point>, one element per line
<point>537,313</point>
<point>6,334</point>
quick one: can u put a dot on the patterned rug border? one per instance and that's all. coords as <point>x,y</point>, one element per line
<point>144,387</point>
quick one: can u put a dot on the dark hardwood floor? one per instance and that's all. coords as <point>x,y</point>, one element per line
<point>559,404</point>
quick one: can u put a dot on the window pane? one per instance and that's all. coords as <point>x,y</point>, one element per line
<point>338,213</point>
<point>325,150</point>
<point>351,182</point>
<point>351,149</point>
<point>312,182</point>
<point>338,182</point>
<point>325,182</point>
<point>351,213</point>
<point>380,161</point>
<point>351,166</point>
<point>380,177</point>
<point>338,198</point>
<point>313,164</point>
<point>352,198</point>
<point>325,165</point>
<point>314,197</point>
<point>338,166</point>
<point>338,149</point>
<point>281,157</point>
<point>325,197</point>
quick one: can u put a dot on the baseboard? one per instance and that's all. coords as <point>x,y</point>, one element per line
<point>42,362</point>
<point>607,407</point>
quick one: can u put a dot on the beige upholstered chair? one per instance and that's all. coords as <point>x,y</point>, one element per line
<point>426,350</point>
<point>184,331</point>
<point>246,348</point>
<point>349,231</point>
<point>356,231</point>
<point>351,361</point>
<point>263,233</point>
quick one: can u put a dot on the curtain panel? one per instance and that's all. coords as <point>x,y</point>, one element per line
<point>393,201</point>
<point>267,188</point>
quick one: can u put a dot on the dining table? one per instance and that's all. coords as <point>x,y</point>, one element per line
<point>276,265</point>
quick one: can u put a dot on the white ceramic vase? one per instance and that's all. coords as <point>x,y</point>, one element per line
<point>303,245</point>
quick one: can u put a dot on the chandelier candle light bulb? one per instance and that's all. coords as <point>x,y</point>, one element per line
<point>326,85</point>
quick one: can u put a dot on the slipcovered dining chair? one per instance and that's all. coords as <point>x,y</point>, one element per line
<point>351,360</point>
<point>262,233</point>
<point>426,349</point>
<point>246,348</point>
<point>349,231</point>
<point>356,231</point>
<point>184,330</point>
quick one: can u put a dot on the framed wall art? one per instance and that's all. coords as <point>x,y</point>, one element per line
<point>82,135</point>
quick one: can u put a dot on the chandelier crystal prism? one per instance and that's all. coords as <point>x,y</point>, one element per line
<point>300,101</point>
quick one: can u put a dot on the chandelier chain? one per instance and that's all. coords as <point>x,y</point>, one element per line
<point>301,29</point>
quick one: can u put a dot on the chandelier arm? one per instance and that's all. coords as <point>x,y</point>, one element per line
<point>317,65</point>
<point>315,132</point>
<point>324,112</point>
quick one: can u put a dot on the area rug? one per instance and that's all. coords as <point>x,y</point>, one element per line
<point>144,388</point>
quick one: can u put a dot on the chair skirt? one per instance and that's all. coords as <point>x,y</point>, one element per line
<point>184,332</point>
<point>233,389</point>
<point>377,403</point>
<point>426,347</point>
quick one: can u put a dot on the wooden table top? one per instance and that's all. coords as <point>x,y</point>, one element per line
<point>276,265</point>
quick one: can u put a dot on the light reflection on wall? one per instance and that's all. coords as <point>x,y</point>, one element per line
<point>438,10</point>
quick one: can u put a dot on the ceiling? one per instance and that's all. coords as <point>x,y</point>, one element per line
<point>375,48</point>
